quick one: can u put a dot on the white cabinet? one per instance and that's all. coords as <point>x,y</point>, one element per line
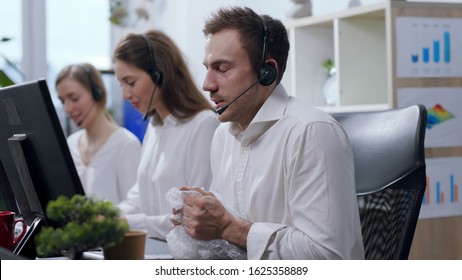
<point>361,42</point>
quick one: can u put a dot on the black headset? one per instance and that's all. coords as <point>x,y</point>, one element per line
<point>156,74</point>
<point>96,91</point>
<point>266,68</point>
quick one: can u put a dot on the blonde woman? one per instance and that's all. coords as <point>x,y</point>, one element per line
<point>105,154</point>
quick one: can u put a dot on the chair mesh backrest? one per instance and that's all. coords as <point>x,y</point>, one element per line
<point>389,217</point>
<point>388,150</point>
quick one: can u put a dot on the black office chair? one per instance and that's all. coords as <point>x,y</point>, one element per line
<point>389,156</point>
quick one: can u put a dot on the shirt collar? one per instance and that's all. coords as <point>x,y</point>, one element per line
<point>272,110</point>
<point>170,120</point>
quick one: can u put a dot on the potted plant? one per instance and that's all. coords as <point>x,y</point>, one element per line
<point>330,87</point>
<point>83,223</point>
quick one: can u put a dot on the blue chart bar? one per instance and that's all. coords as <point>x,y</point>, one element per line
<point>426,55</point>
<point>438,197</point>
<point>447,47</point>
<point>436,51</point>
<point>454,190</point>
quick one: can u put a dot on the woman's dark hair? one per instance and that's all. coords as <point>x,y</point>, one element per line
<point>179,93</point>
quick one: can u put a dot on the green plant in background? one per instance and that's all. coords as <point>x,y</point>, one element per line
<point>328,66</point>
<point>5,80</point>
<point>119,14</point>
<point>117,11</point>
<point>83,223</point>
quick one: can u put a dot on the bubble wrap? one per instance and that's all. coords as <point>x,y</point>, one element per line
<point>183,246</point>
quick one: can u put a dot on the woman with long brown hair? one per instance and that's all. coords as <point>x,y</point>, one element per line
<point>176,148</point>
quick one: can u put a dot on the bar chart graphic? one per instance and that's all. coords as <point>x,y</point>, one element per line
<point>435,192</point>
<point>436,51</point>
<point>442,195</point>
<point>429,47</point>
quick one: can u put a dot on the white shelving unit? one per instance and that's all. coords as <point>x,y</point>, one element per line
<point>361,42</point>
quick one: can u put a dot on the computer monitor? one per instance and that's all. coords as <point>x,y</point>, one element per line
<point>7,200</point>
<point>35,160</point>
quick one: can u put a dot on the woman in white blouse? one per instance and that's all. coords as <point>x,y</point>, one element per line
<point>105,154</point>
<point>176,148</point>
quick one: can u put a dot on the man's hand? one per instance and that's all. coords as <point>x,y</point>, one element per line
<point>205,218</point>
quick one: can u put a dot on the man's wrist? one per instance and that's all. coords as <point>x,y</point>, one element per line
<point>236,232</point>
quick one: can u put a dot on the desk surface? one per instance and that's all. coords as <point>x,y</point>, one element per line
<point>154,250</point>
<point>157,249</point>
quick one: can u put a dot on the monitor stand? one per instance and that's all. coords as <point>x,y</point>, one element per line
<point>26,247</point>
<point>26,198</point>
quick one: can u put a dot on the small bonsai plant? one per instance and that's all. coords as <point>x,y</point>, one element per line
<point>83,223</point>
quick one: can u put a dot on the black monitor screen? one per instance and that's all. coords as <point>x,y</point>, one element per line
<point>35,161</point>
<point>7,200</point>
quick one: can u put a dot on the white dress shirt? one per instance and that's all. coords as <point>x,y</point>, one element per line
<point>291,174</point>
<point>112,170</point>
<point>174,154</point>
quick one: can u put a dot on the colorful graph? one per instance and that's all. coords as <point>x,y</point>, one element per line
<point>427,53</point>
<point>442,194</point>
<point>444,129</point>
<point>437,115</point>
<point>435,194</point>
<point>428,47</point>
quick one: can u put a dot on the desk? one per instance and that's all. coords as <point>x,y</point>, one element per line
<point>155,250</point>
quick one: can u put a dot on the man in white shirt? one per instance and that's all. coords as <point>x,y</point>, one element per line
<point>283,174</point>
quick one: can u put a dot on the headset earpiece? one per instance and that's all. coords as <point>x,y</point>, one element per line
<point>156,74</point>
<point>96,91</point>
<point>267,73</point>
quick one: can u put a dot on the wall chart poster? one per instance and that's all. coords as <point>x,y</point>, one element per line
<point>428,47</point>
<point>442,196</point>
<point>444,113</point>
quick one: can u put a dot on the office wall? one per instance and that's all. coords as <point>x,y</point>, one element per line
<point>183,20</point>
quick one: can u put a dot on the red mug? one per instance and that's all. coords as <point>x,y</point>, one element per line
<point>8,222</point>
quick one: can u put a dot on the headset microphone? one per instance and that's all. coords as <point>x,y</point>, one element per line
<point>146,115</point>
<point>156,75</point>
<point>86,114</point>
<point>220,110</point>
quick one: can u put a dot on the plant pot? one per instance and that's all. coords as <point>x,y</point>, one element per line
<point>131,248</point>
